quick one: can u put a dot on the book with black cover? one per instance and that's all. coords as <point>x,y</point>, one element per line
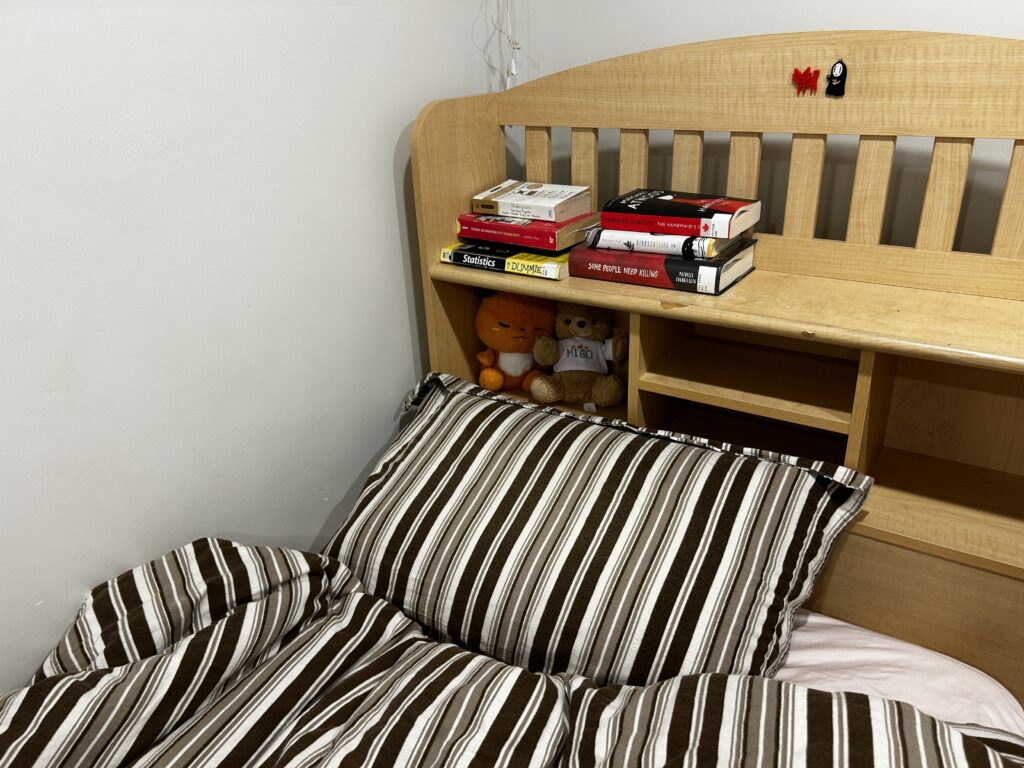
<point>712,276</point>
<point>663,211</point>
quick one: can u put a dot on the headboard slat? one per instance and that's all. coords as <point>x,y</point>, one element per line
<point>584,160</point>
<point>538,153</point>
<point>870,189</point>
<point>1009,239</point>
<point>633,152</point>
<point>805,166</point>
<point>944,194</point>
<point>687,160</point>
<point>744,165</point>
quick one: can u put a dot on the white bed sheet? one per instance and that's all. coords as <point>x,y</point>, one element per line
<point>832,655</point>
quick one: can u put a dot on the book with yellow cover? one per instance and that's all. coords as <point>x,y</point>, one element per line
<point>495,257</point>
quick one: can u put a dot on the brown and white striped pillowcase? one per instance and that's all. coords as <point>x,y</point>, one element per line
<point>565,543</point>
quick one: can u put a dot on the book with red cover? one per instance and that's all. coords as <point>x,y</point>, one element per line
<point>528,233</point>
<point>711,276</point>
<point>662,211</point>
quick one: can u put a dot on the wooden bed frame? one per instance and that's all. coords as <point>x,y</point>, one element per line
<point>904,362</point>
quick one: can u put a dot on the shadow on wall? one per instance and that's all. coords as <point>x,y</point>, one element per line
<point>348,502</point>
<point>986,180</point>
<point>405,221</point>
<point>405,206</point>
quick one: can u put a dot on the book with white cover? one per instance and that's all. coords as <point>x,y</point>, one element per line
<point>687,246</point>
<point>533,200</point>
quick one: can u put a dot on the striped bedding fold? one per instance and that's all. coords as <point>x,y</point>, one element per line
<point>225,654</point>
<point>739,720</point>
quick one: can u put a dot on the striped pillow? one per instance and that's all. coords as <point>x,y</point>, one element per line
<point>568,543</point>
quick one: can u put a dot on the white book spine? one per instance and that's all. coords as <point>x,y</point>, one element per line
<point>667,245</point>
<point>621,240</point>
<point>718,225</point>
<point>526,210</point>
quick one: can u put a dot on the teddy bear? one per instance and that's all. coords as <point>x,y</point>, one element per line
<point>508,324</point>
<point>581,354</point>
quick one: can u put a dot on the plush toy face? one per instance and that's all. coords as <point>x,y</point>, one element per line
<point>507,322</point>
<point>579,320</point>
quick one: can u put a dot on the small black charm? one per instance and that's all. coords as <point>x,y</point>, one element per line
<point>835,81</point>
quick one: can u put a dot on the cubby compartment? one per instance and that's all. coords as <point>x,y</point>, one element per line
<point>791,380</point>
<point>459,303</point>
<point>949,465</point>
<point>724,425</point>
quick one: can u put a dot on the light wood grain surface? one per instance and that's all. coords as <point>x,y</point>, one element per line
<point>871,404</point>
<point>633,159</point>
<point>844,312</point>
<point>1009,237</point>
<point>944,193</point>
<point>870,189</point>
<point>584,160</point>
<point>804,186</point>
<point>744,165</point>
<point>960,413</point>
<point>958,511</point>
<point>968,273</point>
<point>815,391</point>
<point>687,160</point>
<point>900,83</point>
<point>538,153</point>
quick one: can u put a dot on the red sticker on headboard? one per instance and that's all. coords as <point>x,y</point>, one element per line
<point>805,81</point>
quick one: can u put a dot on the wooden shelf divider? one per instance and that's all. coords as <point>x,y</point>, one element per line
<point>810,390</point>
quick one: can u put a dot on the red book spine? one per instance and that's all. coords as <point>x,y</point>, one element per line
<point>620,267</point>
<point>498,232</point>
<point>639,222</point>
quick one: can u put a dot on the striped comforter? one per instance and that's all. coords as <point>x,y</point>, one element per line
<point>223,654</point>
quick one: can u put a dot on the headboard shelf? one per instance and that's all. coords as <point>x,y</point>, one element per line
<point>973,330</point>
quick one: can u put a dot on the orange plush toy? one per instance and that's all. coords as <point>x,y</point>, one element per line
<point>508,324</point>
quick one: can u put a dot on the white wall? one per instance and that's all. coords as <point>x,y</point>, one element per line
<point>558,35</point>
<point>206,298</point>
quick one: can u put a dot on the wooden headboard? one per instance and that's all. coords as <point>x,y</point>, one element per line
<point>905,362</point>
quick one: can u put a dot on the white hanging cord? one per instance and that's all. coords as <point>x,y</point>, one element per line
<point>511,72</point>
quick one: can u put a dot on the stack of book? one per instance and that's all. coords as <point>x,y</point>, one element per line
<point>664,239</point>
<point>525,228</point>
